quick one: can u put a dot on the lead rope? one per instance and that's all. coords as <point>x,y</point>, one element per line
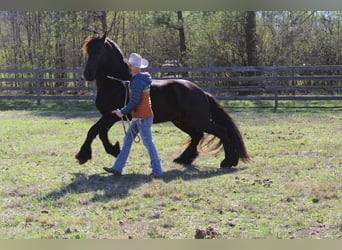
<point>137,138</point>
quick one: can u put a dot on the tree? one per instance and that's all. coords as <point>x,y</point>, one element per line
<point>172,23</point>
<point>182,44</point>
<point>193,38</point>
<point>250,31</point>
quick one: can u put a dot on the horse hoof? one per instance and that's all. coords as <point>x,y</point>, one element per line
<point>81,161</point>
<point>116,149</point>
<point>226,164</point>
<point>82,158</point>
<point>182,161</point>
<point>186,158</point>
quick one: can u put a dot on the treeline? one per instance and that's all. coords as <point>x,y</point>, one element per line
<point>53,39</point>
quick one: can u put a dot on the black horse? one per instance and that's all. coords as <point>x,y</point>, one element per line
<point>182,102</point>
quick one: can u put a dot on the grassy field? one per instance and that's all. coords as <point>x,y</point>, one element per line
<point>291,190</point>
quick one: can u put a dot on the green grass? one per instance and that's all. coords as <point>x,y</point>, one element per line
<point>291,189</point>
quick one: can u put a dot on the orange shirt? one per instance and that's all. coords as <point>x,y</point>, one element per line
<point>144,108</point>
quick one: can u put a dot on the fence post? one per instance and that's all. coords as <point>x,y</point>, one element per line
<point>37,79</point>
<point>276,84</point>
<point>211,77</point>
<point>93,90</point>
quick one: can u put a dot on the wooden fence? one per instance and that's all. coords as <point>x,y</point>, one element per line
<point>45,84</point>
<point>276,83</point>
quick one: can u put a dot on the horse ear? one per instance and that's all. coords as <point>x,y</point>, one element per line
<point>104,36</point>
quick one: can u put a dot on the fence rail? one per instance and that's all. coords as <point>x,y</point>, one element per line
<point>276,83</point>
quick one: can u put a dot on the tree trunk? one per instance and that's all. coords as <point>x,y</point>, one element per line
<point>103,19</point>
<point>182,45</point>
<point>250,30</point>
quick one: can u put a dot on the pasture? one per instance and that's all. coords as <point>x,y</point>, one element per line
<point>292,189</point>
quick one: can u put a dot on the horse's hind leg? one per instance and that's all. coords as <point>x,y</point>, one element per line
<point>231,156</point>
<point>190,153</point>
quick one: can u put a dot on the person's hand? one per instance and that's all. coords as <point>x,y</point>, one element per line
<point>118,113</point>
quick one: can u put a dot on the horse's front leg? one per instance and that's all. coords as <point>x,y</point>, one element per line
<point>108,122</point>
<point>85,153</point>
<point>100,126</point>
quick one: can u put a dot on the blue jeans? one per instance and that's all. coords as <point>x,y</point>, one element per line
<point>142,126</point>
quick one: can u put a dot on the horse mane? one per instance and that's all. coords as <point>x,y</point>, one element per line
<point>117,67</point>
<point>114,46</point>
<point>89,41</point>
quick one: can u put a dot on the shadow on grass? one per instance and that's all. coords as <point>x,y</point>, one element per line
<point>115,187</point>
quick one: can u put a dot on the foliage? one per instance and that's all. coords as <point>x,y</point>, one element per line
<point>297,38</point>
<point>52,39</point>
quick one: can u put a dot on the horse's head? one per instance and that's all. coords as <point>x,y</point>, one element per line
<point>104,58</point>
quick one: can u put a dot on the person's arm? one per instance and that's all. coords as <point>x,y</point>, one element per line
<point>137,88</point>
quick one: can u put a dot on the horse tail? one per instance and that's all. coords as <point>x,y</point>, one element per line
<point>220,116</point>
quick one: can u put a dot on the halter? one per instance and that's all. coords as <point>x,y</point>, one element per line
<point>123,82</point>
<point>125,103</point>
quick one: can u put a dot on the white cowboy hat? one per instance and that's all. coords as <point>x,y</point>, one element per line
<point>137,61</point>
